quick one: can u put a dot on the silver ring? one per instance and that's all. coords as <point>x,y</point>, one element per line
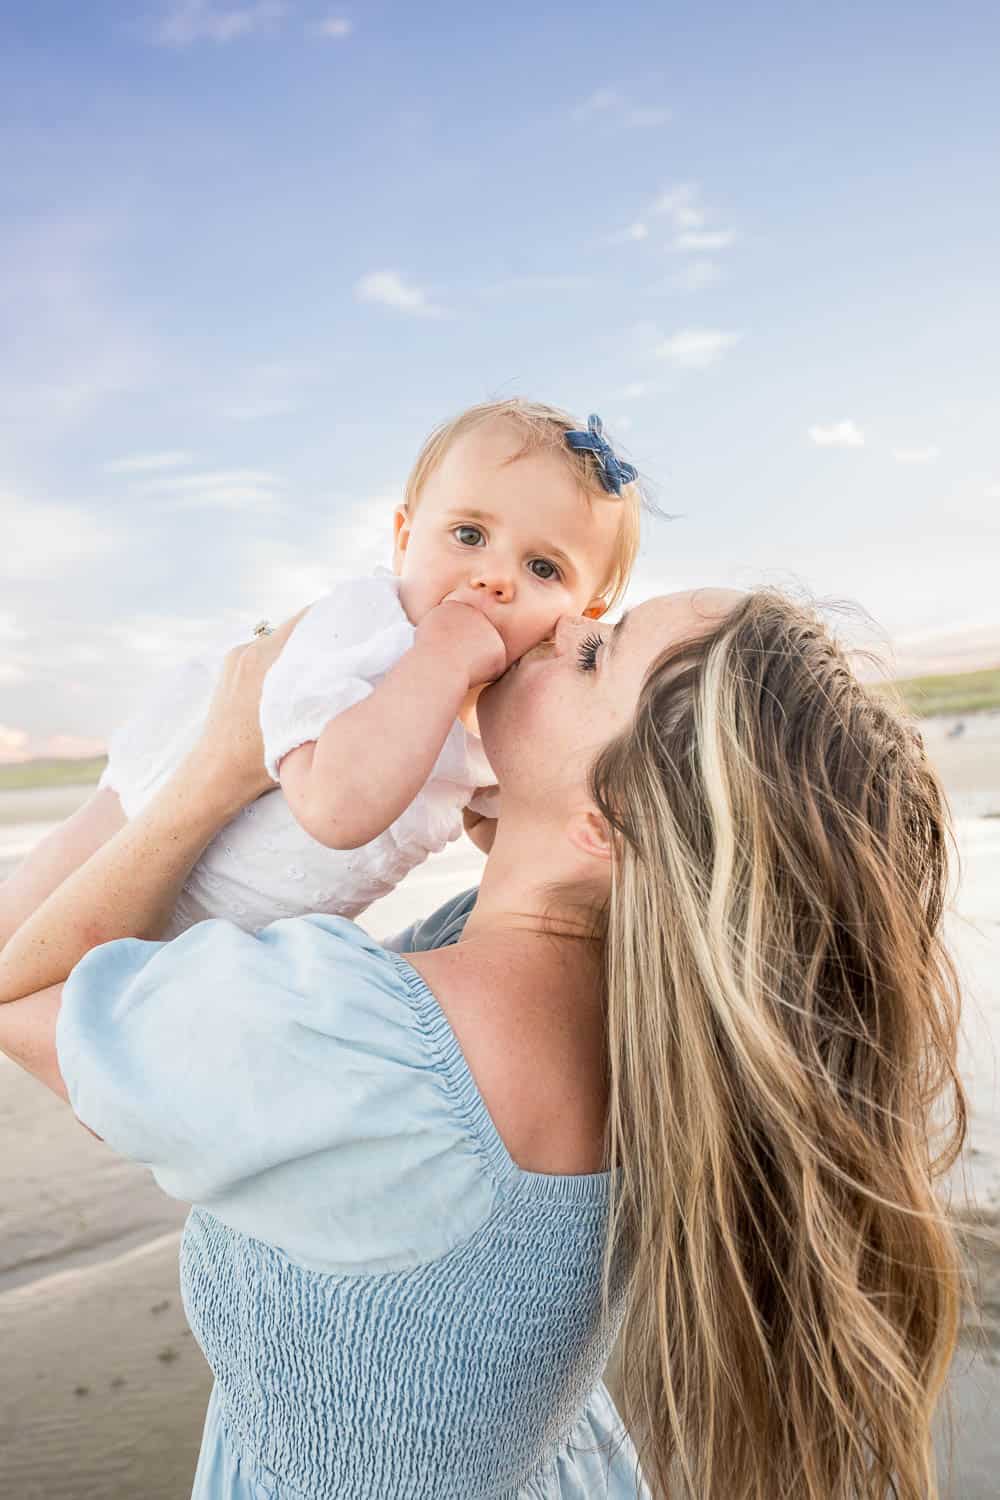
<point>263,627</point>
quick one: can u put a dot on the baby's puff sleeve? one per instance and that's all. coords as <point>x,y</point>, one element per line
<point>289,1082</point>
<point>332,659</point>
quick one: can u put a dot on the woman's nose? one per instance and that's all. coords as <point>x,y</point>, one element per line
<point>568,630</point>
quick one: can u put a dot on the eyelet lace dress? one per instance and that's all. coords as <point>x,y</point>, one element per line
<point>390,1306</point>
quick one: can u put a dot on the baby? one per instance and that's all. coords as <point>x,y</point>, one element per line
<point>512,516</point>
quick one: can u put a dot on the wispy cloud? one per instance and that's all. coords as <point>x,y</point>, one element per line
<point>916,455</point>
<point>645,119</point>
<point>148,463</point>
<point>334,28</point>
<point>283,574</point>
<point>683,205</point>
<point>634,391</point>
<point>597,103</point>
<point>846,434</point>
<point>696,348</point>
<point>631,234</point>
<point>52,540</point>
<point>389,288</point>
<point>696,276</point>
<point>518,285</point>
<point>219,489</point>
<point>190,21</point>
<point>618,109</point>
<point>704,239</point>
<point>259,410</point>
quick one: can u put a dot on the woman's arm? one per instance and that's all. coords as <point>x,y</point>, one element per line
<point>129,886</point>
<point>64,850</point>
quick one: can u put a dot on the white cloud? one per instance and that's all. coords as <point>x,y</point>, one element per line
<point>189,21</point>
<point>846,434</point>
<point>992,492</point>
<point>212,479</point>
<point>334,28</point>
<point>683,204</point>
<point>631,234</point>
<point>555,283</point>
<point>612,105</point>
<point>222,489</point>
<point>67,347</point>
<point>148,463</point>
<point>645,119</point>
<point>704,239</point>
<point>696,275</point>
<point>51,540</point>
<point>284,575</point>
<point>599,102</point>
<point>160,640</point>
<point>634,391</point>
<point>915,455</point>
<point>388,287</point>
<point>258,411</point>
<point>696,348</point>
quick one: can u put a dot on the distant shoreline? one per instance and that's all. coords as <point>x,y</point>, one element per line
<point>26,775</point>
<point>955,695</point>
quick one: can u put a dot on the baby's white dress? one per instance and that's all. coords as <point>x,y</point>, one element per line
<point>263,865</point>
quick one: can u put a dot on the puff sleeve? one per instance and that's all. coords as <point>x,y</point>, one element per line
<point>295,1083</point>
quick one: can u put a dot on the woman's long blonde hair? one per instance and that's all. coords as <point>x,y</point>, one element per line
<point>782,1023</point>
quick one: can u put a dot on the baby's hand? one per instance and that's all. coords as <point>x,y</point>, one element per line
<point>463,634</point>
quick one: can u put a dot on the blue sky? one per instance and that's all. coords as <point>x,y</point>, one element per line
<point>251,252</point>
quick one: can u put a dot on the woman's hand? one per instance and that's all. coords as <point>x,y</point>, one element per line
<point>228,760</point>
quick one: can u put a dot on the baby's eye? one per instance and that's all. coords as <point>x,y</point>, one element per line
<point>469,536</point>
<point>543,569</point>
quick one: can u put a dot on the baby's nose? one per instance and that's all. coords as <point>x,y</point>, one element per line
<point>497,585</point>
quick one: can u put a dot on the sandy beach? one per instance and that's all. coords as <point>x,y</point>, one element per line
<point>102,1389</point>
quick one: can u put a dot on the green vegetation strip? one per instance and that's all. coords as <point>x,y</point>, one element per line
<point>958,693</point>
<point>32,773</point>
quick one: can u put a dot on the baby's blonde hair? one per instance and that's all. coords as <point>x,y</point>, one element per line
<point>541,427</point>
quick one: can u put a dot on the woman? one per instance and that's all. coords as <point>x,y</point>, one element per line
<point>701,985</point>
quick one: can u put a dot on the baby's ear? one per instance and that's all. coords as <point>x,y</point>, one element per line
<point>596,610</point>
<point>401,535</point>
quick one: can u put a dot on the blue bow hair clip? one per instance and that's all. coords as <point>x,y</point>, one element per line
<point>614,471</point>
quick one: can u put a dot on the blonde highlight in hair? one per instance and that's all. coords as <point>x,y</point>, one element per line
<point>540,427</point>
<point>782,1028</point>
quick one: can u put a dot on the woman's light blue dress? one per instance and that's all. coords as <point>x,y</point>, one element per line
<point>392,1309</point>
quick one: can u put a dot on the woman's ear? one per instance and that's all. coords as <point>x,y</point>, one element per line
<point>400,534</point>
<point>595,610</point>
<point>589,833</point>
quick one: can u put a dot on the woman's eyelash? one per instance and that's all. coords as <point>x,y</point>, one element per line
<point>587,652</point>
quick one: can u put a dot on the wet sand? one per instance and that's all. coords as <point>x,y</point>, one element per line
<point>102,1388</point>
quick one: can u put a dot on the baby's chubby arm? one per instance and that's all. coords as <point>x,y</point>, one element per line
<point>364,770</point>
